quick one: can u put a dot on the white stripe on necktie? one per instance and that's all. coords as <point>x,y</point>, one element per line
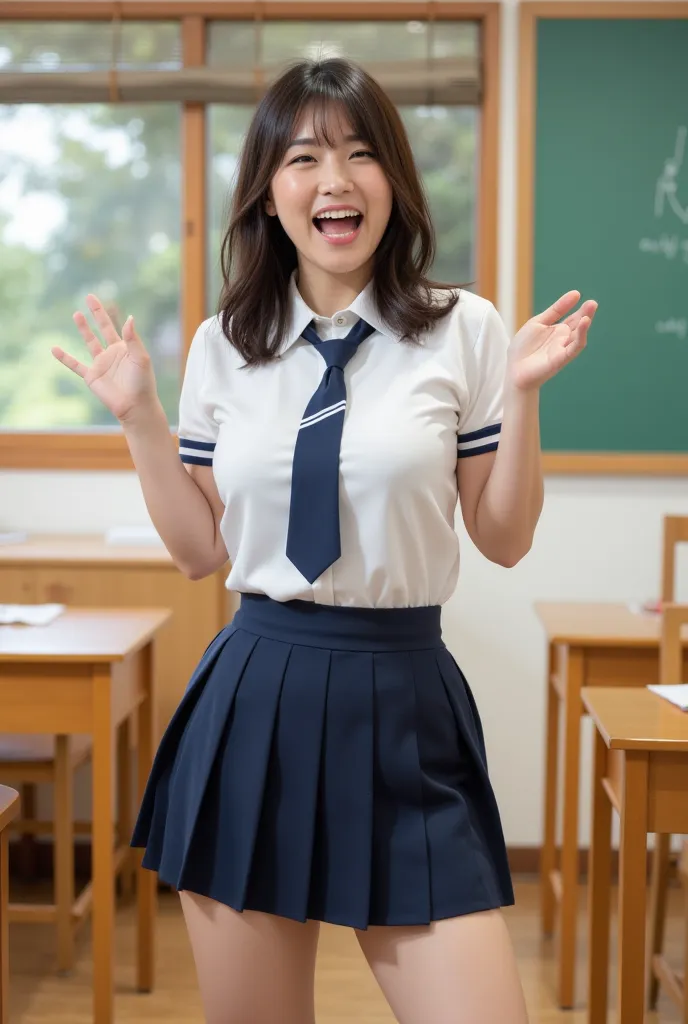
<point>309,421</point>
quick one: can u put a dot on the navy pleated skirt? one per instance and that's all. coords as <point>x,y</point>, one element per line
<point>328,763</point>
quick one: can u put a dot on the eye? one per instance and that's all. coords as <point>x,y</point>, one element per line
<point>363,152</point>
<point>299,159</point>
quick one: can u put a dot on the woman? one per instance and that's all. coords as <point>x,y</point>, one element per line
<point>327,760</point>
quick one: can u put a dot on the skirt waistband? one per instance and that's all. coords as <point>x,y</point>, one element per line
<point>340,628</point>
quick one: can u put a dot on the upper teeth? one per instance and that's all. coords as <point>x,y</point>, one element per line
<point>336,214</point>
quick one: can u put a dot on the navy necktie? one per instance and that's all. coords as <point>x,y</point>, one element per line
<point>313,542</point>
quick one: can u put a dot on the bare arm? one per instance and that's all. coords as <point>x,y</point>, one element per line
<point>182,501</point>
<point>184,506</point>
<point>502,492</point>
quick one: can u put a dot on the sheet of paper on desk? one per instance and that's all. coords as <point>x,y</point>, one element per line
<point>13,537</point>
<point>645,608</point>
<point>677,694</point>
<point>29,614</point>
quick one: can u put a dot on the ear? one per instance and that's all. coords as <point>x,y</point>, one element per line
<point>270,207</point>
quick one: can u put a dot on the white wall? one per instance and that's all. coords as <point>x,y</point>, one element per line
<point>599,539</point>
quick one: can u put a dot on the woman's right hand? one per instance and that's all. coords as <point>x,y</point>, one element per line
<point>121,374</point>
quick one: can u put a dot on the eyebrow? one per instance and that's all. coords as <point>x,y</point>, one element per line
<point>308,141</point>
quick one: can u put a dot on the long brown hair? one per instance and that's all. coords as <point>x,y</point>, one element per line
<point>258,257</point>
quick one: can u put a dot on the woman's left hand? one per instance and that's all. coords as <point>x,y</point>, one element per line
<point>544,346</point>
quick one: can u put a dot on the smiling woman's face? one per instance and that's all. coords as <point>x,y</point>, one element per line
<point>334,202</point>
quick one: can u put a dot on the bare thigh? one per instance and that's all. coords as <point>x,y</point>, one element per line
<point>251,967</point>
<point>461,970</point>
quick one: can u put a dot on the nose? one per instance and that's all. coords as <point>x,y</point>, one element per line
<point>334,179</point>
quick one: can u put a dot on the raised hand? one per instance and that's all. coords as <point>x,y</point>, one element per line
<point>121,374</point>
<point>544,345</point>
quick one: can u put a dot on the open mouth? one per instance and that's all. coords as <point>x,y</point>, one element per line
<point>339,225</point>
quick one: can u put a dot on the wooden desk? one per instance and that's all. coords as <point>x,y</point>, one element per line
<point>640,769</point>
<point>9,809</point>
<point>87,672</point>
<point>589,645</point>
<point>85,572</point>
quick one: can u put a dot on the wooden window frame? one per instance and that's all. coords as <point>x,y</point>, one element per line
<point>104,450</point>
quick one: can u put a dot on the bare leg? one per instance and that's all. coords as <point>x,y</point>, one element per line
<point>461,970</point>
<point>251,967</point>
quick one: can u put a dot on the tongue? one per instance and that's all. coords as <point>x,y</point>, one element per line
<point>338,226</point>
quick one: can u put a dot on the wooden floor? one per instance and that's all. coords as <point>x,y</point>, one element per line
<point>345,990</point>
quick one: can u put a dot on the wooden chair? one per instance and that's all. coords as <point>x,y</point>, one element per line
<point>26,760</point>
<point>9,809</point>
<point>675,532</point>
<point>674,617</point>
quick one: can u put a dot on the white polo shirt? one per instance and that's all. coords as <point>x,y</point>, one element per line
<point>411,410</point>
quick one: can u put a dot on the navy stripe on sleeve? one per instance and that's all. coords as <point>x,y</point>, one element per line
<point>196,453</point>
<point>464,454</point>
<point>476,442</point>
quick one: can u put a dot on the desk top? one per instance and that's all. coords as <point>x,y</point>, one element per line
<point>83,635</point>
<point>56,549</point>
<point>599,624</point>
<point>9,806</point>
<point>636,719</point>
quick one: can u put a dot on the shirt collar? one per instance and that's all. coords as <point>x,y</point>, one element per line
<point>301,314</point>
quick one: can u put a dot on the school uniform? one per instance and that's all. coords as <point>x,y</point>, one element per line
<point>327,760</point>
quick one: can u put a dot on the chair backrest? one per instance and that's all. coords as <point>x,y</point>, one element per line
<point>674,617</point>
<point>675,532</point>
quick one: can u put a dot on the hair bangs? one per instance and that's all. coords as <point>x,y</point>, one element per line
<point>335,103</point>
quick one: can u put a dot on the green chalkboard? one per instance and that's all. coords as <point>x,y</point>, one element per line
<point>611,219</point>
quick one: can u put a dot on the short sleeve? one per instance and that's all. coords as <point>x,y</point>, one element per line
<point>197,427</point>
<point>480,422</point>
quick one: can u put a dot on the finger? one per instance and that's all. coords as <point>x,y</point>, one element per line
<point>69,361</point>
<point>558,308</point>
<point>92,342</point>
<point>128,330</point>
<point>578,338</point>
<point>589,308</point>
<point>102,319</point>
<point>582,329</point>
<point>130,336</point>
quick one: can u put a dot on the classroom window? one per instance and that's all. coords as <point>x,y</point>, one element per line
<point>89,201</point>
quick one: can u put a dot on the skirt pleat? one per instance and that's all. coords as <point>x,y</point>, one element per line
<point>283,852</point>
<point>152,822</point>
<point>401,870</point>
<point>341,855</point>
<point>232,793</point>
<point>480,801</point>
<point>321,780</point>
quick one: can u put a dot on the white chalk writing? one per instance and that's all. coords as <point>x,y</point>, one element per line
<point>670,246</point>
<point>674,325</point>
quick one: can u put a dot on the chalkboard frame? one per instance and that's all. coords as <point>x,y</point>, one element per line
<point>531,11</point>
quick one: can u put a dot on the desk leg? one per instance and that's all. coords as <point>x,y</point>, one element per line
<point>124,797</point>
<point>103,813</point>
<point>64,853</point>
<point>599,890</point>
<point>548,862</point>
<point>147,881</point>
<point>573,710</point>
<point>4,931</point>
<point>632,889</point>
<point>661,865</point>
